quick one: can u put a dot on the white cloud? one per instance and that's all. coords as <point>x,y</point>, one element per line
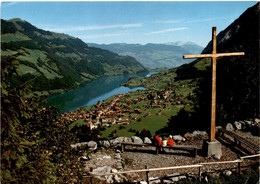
<point>168,21</point>
<point>90,28</point>
<point>102,35</point>
<point>189,20</point>
<point>5,4</point>
<point>166,30</point>
<point>199,20</point>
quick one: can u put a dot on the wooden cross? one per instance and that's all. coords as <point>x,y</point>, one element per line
<point>213,57</point>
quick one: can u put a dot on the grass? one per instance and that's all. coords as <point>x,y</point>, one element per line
<point>153,122</point>
<point>14,37</point>
<point>157,81</point>
<point>24,69</point>
<point>33,56</point>
<point>203,64</point>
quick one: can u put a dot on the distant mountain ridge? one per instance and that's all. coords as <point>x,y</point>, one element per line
<point>153,55</point>
<point>59,61</point>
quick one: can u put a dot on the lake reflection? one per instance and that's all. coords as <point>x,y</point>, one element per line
<point>98,90</point>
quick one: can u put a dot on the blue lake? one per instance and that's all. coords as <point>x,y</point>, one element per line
<point>97,90</point>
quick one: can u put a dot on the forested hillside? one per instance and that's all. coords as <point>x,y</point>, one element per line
<point>237,76</point>
<point>58,61</point>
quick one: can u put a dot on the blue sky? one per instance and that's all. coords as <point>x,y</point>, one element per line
<point>130,22</point>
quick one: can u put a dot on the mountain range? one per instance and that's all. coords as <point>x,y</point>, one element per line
<point>59,61</point>
<point>153,55</point>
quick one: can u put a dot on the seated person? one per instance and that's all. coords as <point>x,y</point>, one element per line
<point>170,141</point>
<point>164,141</point>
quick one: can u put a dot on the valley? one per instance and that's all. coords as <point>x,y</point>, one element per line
<point>150,109</point>
<point>68,105</point>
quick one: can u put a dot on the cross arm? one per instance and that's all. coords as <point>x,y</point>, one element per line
<point>213,55</point>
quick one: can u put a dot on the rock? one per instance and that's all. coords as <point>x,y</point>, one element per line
<point>92,145</point>
<point>200,134</point>
<point>167,181</point>
<point>127,139</point>
<point>118,179</point>
<point>107,157</point>
<point>154,180</point>
<point>229,127</point>
<point>143,182</point>
<point>104,143</point>
<point>117,156</point>
<point>176,177</point>
<point>119,166</point>
<point>84,158</point>
<point>137,140</point>
<point>116,142</point>
<point>118,151</point>
<point>217,156</point>
<point>178,138</point>
<point>102,170</point>
<point>227,172</point>
<point>147,140</point>
<point>120,139</point>
<point>238,125</point>
<point>188,136</point>
<point>77,145</point>
<point>248,123</point>
<point>114,170</point>
<point>107,178</point>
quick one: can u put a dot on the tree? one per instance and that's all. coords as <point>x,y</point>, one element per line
<point>35,142</point>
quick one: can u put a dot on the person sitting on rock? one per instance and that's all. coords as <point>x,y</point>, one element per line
<point>170,141</point>
<point>164,141</point>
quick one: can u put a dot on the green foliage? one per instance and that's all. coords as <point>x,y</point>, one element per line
<point>248,176</point>
<point>35,144</point>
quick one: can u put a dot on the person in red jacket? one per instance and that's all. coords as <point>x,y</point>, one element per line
<point>170,141</point>
<point>157,141</point>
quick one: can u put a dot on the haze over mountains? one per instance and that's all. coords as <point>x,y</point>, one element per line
<point>59,61</point>
<point>154,55</point>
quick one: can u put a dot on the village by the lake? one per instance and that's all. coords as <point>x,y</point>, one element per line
<point>130,92</point>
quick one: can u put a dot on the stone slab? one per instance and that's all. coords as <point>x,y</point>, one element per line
<point>212,149</point>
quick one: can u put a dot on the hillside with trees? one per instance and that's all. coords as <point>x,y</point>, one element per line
<point>35,142</point>
<point>58,61</point>
<point>237,76</point>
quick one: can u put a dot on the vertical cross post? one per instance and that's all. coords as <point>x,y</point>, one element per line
<point>213,57</point>
<point>213,97</point>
